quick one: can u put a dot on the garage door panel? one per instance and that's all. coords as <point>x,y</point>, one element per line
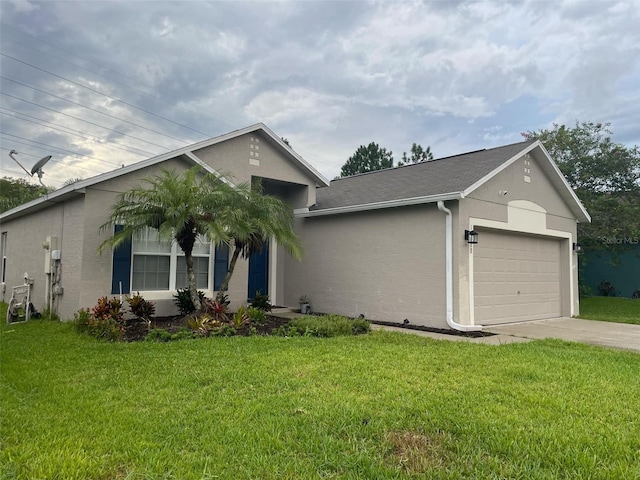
<point>516,278</point>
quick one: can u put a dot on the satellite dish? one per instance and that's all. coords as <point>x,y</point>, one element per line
<point>37,168</point>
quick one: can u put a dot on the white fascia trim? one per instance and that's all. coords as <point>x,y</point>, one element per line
<point>564,181</point>
<point>80,186</point>
<point>208,168</point>
<point>302,213</point>
<point>321,178</point>
<point>194,158</point>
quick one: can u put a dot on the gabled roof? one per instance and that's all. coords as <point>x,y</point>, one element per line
<point>186,153</point>
<point>447,178</point>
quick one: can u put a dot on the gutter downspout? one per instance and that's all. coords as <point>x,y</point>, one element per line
<point>449,273</point>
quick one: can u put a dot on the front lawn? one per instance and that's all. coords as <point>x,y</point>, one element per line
<point>372,406</point>
<point>610,309</point>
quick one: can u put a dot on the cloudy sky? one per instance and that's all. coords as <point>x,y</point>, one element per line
<point>101,84</point>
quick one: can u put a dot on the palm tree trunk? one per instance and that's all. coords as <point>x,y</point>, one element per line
<point>191,276</point>
<point>227,278</point>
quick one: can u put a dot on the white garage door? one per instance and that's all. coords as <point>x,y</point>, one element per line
<point>516,278</point>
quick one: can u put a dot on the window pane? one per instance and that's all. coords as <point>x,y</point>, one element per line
<point>201,247</point>
<point>150,272</point>
<point>147,242</point>
<point>201,269</point>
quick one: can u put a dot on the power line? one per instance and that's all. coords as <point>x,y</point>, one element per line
<point>106,95</point>
<point>57,148</point>
<point>194,108</point>
<point>92,109</point>
<point>21,153</point>
<point>79,134</point>
<point>86,121</point>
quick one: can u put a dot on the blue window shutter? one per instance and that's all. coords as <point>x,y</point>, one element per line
<point>221,265</point>
<point>121,266</point>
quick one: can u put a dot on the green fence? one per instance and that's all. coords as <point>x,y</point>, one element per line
<point>621,270</point>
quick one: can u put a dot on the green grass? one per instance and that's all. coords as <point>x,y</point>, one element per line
<point>610,309</point>
<point>370,406</point>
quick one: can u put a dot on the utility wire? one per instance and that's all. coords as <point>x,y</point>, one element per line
<point>21,153</point>
<point>92,109</point>
<point>86,121</point>
<point>58,148</point>
<point>104,94</point>
<point>79,134</point>
<point>194,108</point>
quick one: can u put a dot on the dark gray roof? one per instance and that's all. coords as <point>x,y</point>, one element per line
<point>437,177</point>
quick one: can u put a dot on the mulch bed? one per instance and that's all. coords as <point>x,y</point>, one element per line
<point>137,330</point>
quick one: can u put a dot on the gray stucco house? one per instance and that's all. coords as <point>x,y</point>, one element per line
<point>390,245</point>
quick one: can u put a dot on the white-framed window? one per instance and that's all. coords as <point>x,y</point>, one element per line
<point>160,264</point>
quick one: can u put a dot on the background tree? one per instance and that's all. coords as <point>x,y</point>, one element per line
<point>605,176</point>
<point>181,206</point>
<point>418,154</point>
<point>16,191</point>
<point>367,159</point>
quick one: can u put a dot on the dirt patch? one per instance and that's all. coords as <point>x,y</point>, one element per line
<point>416,452</point>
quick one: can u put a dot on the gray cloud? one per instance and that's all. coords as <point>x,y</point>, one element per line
<point>327,75</point>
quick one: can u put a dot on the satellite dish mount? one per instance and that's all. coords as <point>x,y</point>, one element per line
<point>36,169</point>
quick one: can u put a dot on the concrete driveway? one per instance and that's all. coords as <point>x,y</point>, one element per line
<point>606,334</point>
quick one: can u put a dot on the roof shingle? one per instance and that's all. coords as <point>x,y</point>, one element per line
<point>437,177</point>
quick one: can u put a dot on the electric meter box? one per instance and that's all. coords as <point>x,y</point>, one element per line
<point>55,255</point>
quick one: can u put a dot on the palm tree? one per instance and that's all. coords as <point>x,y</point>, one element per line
<point>181,207</point>
<point>257,218</point>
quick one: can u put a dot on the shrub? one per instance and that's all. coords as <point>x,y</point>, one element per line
<point>158,335</point>
<point>328,326</point>
<point>106,308</point>
<point>219,311</point>
<point>261,302</point>
<point>182,299</point>
<point>360,326</point>
<point>105,321</point>
<point>81,319</point>
<point>224,331</point>
<point>606,289</point>
<point>162,335</point>
<point>240,317</point>
<point>203,325</point>
<point>256,315</point>
<point>140,307</point>
<point>183,333</point>
<point>222,297</point>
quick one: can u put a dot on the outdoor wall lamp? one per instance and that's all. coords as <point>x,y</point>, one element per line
<point>471,236</point>
<point>577,248</point>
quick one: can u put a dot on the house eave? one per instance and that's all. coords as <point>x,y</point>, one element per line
<point>185,152</point>
<point>403,202</point>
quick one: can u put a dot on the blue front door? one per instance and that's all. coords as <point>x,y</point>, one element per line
<point>259,272</point>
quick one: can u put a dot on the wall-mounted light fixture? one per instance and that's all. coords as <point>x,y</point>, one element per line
<point>577,248</point>
<point>471,236</point>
